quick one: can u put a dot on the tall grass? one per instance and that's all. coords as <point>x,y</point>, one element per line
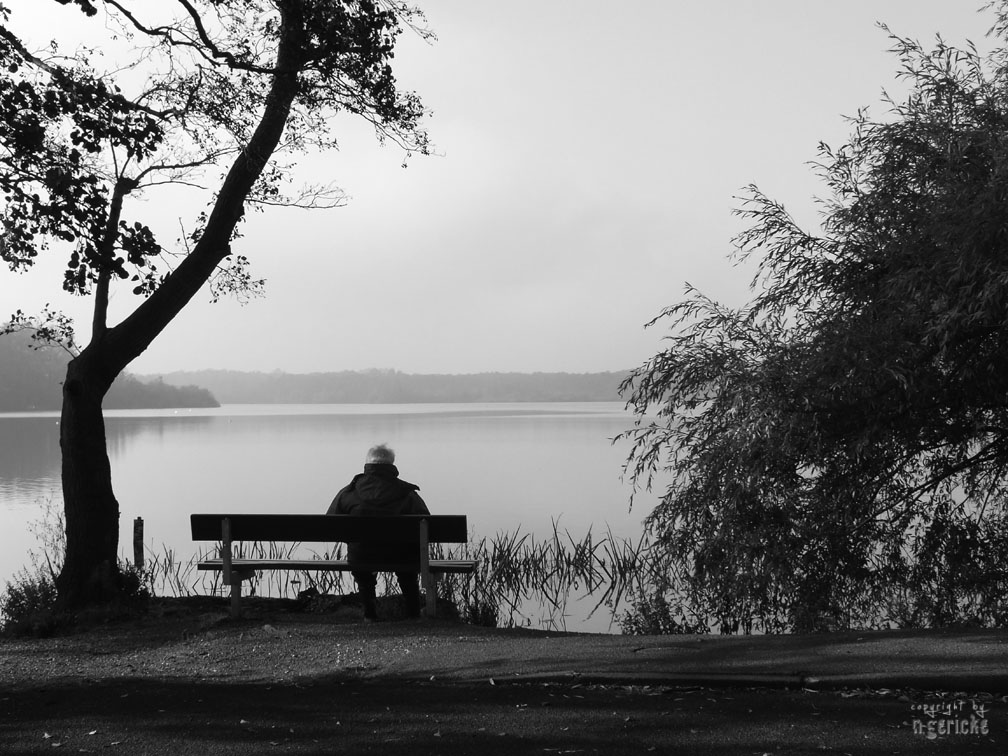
<point>167,574</point>
<point>28,597</point>
<point>519,580</point>
<point>28,600</point>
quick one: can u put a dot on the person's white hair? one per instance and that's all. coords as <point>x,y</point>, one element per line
<point>380,455</point>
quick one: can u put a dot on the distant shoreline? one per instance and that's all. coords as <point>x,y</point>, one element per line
<point>394,387</point>
<point>31,381</point>
<point>489,408</point>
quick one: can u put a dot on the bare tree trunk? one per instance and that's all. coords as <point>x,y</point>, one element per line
<point>90,571</point>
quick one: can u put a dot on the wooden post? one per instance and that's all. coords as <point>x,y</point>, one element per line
<point>138,555</point>
<point>426,579</point>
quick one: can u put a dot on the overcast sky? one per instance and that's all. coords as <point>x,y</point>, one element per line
<point>589,154</point>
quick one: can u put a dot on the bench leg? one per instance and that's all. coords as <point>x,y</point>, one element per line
<point>427,579</point>
<point>230,576</point>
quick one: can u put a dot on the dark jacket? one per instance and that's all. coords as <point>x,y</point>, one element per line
<point>379,491</point>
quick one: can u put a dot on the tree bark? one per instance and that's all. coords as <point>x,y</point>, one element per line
<point>90,572</point>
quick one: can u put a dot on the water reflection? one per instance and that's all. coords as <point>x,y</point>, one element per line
<point>29,448</point>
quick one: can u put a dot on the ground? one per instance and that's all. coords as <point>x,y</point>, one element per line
<point>186,679</point>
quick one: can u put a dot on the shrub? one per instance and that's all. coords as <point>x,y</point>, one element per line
<point>27,605</point>
<point>135,585</point>
<point>652,613</point>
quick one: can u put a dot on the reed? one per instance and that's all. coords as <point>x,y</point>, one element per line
<point>519,579</point>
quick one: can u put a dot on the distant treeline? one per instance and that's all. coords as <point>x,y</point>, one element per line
<point>393,387</point>
<point>31,380</point>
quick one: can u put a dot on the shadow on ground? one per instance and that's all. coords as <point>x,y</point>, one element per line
<point>350,715</point>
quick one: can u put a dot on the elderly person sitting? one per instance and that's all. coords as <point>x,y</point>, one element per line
<point>379,491</point>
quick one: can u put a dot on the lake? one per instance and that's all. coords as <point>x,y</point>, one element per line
<point>506,466</point>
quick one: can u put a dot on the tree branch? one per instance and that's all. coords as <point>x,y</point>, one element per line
<point>131,337</point>
<point>205,47</point>
<point>106,252</point>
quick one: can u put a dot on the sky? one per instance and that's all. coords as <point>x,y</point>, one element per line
<point>588,158</point>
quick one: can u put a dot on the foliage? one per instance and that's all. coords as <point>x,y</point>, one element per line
<point>79,142</point>
<point>136,585</point>
<point>960,578</point>
<point>651,613</point>
<point>844,436</point>
<point>27,605</point>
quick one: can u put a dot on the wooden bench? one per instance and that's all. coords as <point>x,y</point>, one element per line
<point>419,531</point>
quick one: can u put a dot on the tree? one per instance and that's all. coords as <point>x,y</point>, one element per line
<point>226,84</point>
<point>834,453</point>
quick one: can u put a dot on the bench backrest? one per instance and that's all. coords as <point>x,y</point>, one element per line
<point>313,528</point>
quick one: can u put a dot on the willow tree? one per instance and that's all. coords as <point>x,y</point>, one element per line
<point>205,89</point>
<point>835,452</point>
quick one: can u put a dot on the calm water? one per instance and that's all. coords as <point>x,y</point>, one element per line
<point>506,466</point>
